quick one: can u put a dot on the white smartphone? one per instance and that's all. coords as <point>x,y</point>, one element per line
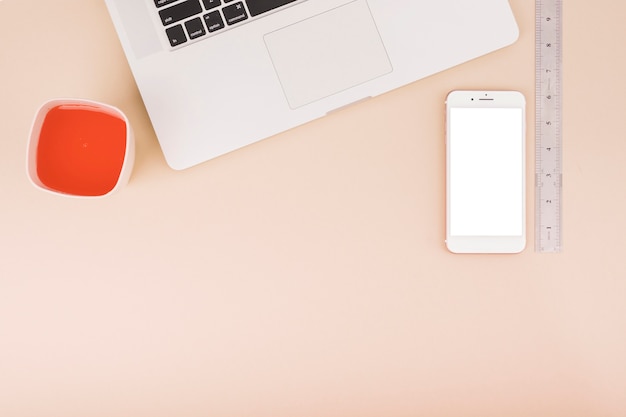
<point>486,172</point>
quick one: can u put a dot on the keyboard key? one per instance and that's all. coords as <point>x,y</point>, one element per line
<point>195,28</point>
<point>213,21</point>
<point>180,11</point>
<point>234,13</point>
<point>176,35</point>
<point>210,4</point>
<point>161,3</point>
<point>257,7</point>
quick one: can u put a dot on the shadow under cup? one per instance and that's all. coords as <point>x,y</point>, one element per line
<point>80,148</point>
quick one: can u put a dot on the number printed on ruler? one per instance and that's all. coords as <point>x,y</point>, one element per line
<point>548,149</point>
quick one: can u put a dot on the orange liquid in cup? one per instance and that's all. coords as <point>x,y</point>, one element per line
<point>81,150</point>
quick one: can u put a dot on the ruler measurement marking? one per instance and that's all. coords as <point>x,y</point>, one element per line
<point>548,151</point>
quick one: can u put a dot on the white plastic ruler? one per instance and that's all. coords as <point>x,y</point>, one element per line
<point>548,134</point>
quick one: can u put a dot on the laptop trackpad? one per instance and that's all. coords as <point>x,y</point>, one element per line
<point>328,53</point>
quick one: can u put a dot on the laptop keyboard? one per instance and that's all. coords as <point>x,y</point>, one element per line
<point>189,20</point>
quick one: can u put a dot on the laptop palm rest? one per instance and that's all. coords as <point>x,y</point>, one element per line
<point>327,53</point>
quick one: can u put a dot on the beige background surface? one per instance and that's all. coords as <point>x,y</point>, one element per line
<point>306,275</point>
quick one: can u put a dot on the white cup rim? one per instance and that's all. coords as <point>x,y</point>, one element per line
<point>33,141</point>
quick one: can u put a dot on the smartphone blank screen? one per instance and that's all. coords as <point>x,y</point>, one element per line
<point>486,171</point>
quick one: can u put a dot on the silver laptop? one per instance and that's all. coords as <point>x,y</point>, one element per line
<point>217,75</point>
